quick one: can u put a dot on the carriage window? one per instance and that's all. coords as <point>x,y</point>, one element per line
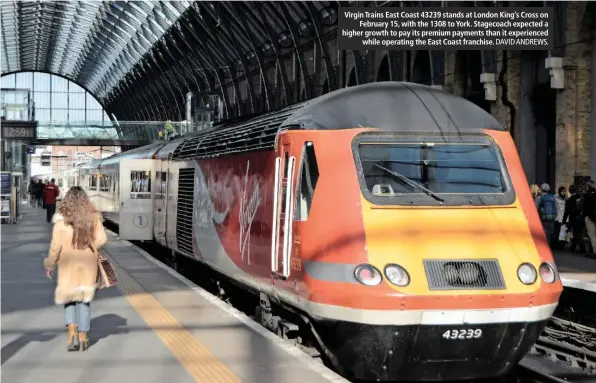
<point>140,185</point>
<point>161,185</point>
<point>440,168</point>
<point>93,182</point>
<point>104,182</point>
<point>60,182</point>
<point>309,175</point>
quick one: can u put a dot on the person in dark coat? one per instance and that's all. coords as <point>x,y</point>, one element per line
<point>50,194</point>
<point>589,213</point>
<point>39,193</point>
<point>573,219</point>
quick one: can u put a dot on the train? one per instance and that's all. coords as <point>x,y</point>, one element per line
<point>394,218</point>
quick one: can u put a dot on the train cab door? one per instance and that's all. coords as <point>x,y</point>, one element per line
<point>161,202</point>
<point>282,210</point>
<point>137,196</point>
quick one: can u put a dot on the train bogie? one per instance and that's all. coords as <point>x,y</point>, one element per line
<point>395,217</point>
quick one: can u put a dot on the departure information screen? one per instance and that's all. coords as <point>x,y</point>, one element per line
<point>9,132</point>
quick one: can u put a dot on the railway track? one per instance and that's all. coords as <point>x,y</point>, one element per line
<point>216,285</point>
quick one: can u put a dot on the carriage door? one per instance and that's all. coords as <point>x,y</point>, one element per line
<point>282,210</point>
<point>161,201</point>
<point>136,203</point>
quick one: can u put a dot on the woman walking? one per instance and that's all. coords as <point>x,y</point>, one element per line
<point>78,234</point>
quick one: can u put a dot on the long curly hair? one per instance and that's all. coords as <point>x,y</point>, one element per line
<point>78,212</point>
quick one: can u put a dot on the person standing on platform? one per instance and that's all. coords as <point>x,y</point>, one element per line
<point>169,130</point>
<point>31,192</point>
<point>573,217</point>
<point>547,208</point>
<point>39,186</point>
<point>50,193</point>
<point>589,212</point>
<point>78,234</point>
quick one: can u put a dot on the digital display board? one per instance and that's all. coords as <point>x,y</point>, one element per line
<point>5,183</point>
<point>19,132</point>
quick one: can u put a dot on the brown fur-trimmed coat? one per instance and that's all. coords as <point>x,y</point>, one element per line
<point>77,269</point>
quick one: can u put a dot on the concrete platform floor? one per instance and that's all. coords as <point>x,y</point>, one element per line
<point>154,327</point>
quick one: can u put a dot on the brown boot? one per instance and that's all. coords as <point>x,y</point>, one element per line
<point>83,340</point>
<point>73,344</point>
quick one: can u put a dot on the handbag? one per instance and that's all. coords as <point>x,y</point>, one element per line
<point>106,275</point>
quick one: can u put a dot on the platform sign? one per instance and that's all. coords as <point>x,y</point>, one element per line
<point>140,220</point>
<point>31,149</point>
<point>5,183</point>
<point>5,207</point>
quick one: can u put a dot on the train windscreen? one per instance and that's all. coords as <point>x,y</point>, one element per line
<point>391,169</point>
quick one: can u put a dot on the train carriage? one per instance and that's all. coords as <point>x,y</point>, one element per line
<point>393,217</point>
<point>129,194</point>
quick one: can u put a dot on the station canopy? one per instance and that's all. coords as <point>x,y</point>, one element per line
<point>91,43</point>
<point>141,58</point>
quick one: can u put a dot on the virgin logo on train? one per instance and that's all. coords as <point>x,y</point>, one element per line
<point>248,210</point>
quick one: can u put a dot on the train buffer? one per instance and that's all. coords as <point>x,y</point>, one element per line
<point>154,327</point>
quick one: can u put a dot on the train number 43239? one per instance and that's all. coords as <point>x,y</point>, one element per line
<point>463,334</point>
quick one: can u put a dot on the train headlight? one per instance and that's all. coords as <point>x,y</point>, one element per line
<point>368,275</point>
<point>397,275</point>
<point>547,273</point>
<point>527,274</point>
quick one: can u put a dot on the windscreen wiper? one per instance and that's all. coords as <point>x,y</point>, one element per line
<point>411,183</point>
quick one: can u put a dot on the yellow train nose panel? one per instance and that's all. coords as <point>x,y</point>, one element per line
<point>407,236</point>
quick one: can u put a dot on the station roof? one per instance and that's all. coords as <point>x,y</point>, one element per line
<point>133,53</point>
<point>92,43</point>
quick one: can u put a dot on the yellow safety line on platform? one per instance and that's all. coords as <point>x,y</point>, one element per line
<point>198,361</point>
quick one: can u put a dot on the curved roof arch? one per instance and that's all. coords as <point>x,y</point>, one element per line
<point>141,58</point>
<point>93,44</point>
<point>216,45</point>
<point>99,100</point>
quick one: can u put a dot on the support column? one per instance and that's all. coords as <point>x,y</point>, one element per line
<point>452,83</point>
<point>506,110</point>
<point>592,162</point>
<point>437,60</point>
<point>488,77</point>
<point>574,103</point>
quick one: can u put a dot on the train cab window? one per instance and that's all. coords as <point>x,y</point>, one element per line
<point>140,184</point>
<point>309,175</point>
<point>394,169</point>
<point>60,182</point>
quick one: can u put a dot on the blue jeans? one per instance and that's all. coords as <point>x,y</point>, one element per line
<point>78,313</point>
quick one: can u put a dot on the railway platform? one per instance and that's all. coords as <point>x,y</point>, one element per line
<point>577,271</point>
<point>154,327</point>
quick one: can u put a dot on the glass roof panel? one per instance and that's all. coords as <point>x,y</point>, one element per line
<point>93,43</point>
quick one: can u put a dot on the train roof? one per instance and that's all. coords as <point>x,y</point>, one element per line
<point>93,164</point>
<point>143,152</point>
<point>393,106</point>
<point>389,106</point>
